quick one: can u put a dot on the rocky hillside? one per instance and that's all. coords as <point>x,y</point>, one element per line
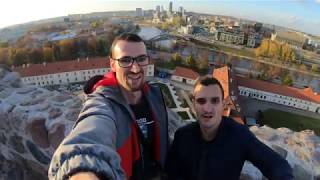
<point>35,120</point>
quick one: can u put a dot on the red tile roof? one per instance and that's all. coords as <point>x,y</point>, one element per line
<point>62,66</point>
<point>223,76</point>
<point>185,72</point>
<point>304,94</point>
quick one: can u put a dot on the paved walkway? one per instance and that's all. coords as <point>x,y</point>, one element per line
<point>186,97</point>
<point>175,97</point>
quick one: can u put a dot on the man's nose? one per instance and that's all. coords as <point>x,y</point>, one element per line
<point>207,107</point>
<point>135,67</point>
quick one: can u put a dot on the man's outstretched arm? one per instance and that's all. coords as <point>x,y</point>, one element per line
<point>90,146</point>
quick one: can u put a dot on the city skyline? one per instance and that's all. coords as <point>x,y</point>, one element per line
<point>302,15</point>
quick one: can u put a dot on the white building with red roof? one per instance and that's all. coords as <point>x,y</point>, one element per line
<point>66,72</point>
<point>185,75</point>
<point>304,99</point>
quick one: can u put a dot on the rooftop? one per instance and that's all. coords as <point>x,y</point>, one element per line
<point>186,72</point>
<point>62,66</point>
<point>304,94</point>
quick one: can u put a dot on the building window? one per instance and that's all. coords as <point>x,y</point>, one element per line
<point>60,81</point>
<point>67,74</point>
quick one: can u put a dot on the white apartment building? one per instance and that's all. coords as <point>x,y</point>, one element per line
<point>66,72</point>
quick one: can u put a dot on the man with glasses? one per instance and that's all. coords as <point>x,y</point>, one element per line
<point>216,147</point>
<point>122,130</point>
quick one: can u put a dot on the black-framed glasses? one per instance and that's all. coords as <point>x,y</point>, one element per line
<point>127,61</point>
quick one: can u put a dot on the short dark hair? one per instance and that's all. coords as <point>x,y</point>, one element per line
<point>130,37</point>
<point>206,81</point>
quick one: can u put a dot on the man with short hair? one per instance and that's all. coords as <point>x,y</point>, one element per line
<point>216,147</point>
<point>122,130</point>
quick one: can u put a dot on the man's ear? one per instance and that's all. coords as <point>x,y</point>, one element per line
<point>224,102</point>
<point>112,64</point>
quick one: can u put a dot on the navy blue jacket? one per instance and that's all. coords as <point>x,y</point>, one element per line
<point>191,157</point>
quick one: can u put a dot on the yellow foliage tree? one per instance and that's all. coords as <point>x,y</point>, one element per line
<point>276,50</point>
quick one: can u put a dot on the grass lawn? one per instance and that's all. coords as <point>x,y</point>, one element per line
<point>241,52</point>
<point>276,118</point>
<point>167,95</point>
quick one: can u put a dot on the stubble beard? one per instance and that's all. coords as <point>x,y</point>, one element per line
<point>131,86</point>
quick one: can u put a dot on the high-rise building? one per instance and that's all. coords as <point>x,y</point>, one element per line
<point>139,12</point>
<point>158,9</point>
<point>162,9</point>
<point>170,7</point>
<point>181,11</point>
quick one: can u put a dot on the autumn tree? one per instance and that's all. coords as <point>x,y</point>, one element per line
<point>18,56</point>
<point>48,55</point>
<point>276,50</point>
<point>101,47</point>
<point>56,52</point>
<point>67,49</point>
<point>274,72</point>
<point>4,44</point>
<point>287,80</point>
<point>176,59</point>
<point>303,67</point>
<point>177,21</point>
<point>91,46</point>
<point>190,62</point>
<point>4,56</point>
<point>203,66</point>
<point>35,56</point>
<point>314,68</point>
<point>95,24</point>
